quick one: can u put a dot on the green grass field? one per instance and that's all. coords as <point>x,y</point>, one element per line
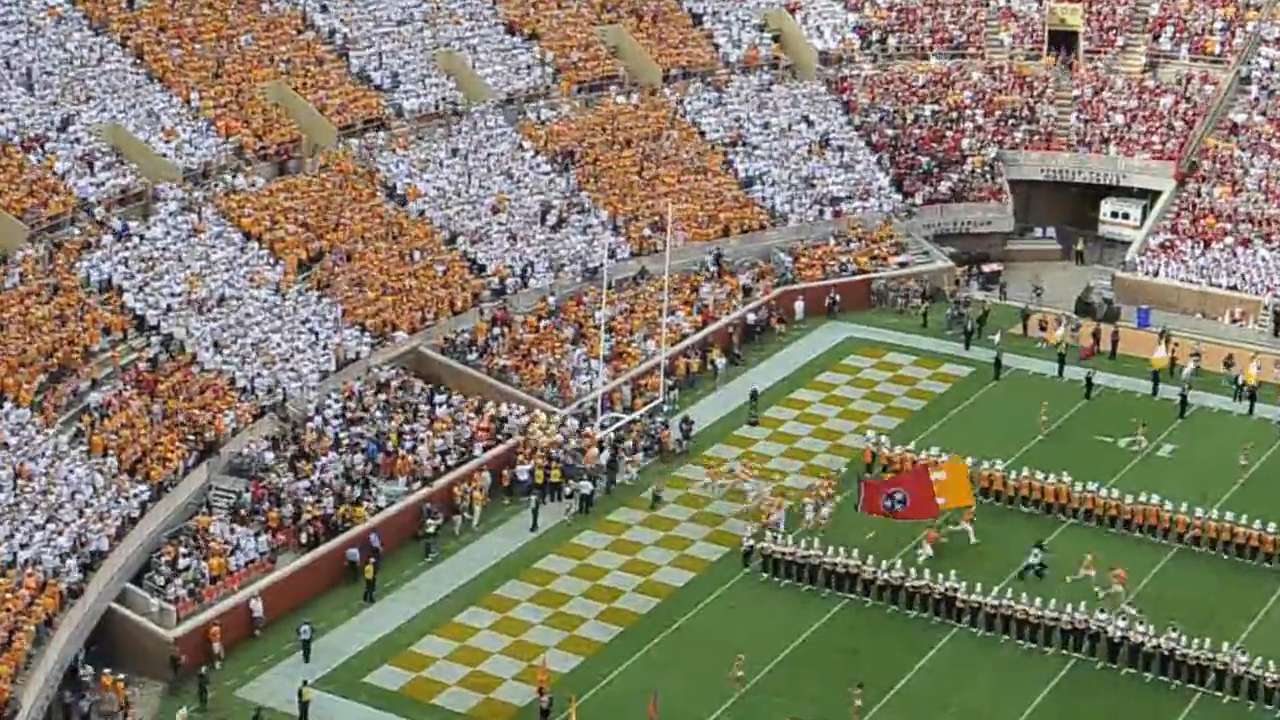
<point>804,651</point>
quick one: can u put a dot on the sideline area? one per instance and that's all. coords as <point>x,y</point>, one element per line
<point>276,687</point>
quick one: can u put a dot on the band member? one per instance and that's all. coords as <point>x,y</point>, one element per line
<point>1079,629</point>
<point>990,613</point>
<point>748,547</point>
<point>1006,615</point>
<point>1182,656</point>
<point>1135,642</point>
<point>1271,686</point>
<point>1117,634</point>
<point>1035,622</point>
<point>1254,676</point>
<point>897,578</point>
<point>1221,669</point>
<point>1182,525</point>
<point>1168,643</point>
<point>1066,629</point>
<point>766,557</point>
<point>1101,620</point>
<point>1021,619</point>
<point>829,562</point>
<point>1239,668</point>
<point>813,563</point>
<point>1150,649</point>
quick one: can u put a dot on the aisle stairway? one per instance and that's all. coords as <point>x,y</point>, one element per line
<point>1063,105</point>
<point>1133,58</point>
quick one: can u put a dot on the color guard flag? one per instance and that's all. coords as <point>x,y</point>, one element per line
<point>906,496</point>
<point>951,485</point>
<point>573,707</point>
<point>653,706</point>
<point>1160,358</point>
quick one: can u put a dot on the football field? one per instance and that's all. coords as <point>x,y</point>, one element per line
<point>639,601</point>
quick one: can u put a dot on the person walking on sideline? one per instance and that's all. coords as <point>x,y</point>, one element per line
<point>1115,342</point>
<point>304,701</point>
<point>306,633</point>
<point>202,688</point>
<point>535,506</point>
<point>353,563</point>
<point>257,614</point>
<point>1088,385</point>
<point>545,703</point>
<point>370,580</point>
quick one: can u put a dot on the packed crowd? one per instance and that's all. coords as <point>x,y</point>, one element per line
<point>552,351</point>
<point>940,124</point>
<point>30,192</point>
<point>901,26</point>
<point>501,203</point>
<point>390,274</point>
<point>1122,638</point>
<point>849,251</point>
<point>568,31</point>
<point>1223,228</point>
<point>61,514</point>
<point>1107,24</point>
<point>190,275</point>
<point>791,147</point>
<point>393,46</point>
<point>61,80</point>
<point>1021,24</point>
<point>162,418</point>
<point>635,155</point>
<point>364,445</point>
<point>215,55</point>
<point>1202,28</point>
<point>51,328</point>
<point>1117,114</point>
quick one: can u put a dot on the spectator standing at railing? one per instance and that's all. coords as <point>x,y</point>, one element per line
<point>353,563</point>
<point>306,634</point>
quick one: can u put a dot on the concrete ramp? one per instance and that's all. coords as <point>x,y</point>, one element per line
<point>639,64</point>
<point>458,67</point>
<point>150,164</point>
<point>797,48</point>
<point>13,234</point>
<point>317,131</point>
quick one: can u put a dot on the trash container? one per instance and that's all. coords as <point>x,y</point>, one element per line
<point>1144,316</point>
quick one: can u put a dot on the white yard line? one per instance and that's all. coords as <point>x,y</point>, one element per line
<point>1168,556</point>
<point>1054,426</point>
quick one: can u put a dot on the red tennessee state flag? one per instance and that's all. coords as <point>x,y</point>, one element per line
<point>906,496</point>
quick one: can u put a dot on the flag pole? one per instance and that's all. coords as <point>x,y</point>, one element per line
<point>666,304</point>
<point>604,325</point>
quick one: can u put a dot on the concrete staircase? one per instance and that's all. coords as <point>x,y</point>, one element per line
<point>995,48</point>
<point>224,494</point>
<point>1133,58</point>
<point>1063,105</point>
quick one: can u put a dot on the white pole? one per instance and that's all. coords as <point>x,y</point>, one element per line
<point>604,325</point>
<point>666,302</point>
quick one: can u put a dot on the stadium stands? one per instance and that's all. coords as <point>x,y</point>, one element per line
<point>523,220</point>
<point>1214,29</point>
<point>51,328</point>
<point>197,48</point>
<point>1141,118</point>
<point>367,444</point>
<point>190,275</point>
<point>389,273</point>
<point>566,30</point>
<point>634,155</point>
<point>393,46</point>
<point>791,147</point>
<point>61,81</point>
<point>940,124</point>
<point>1222,230</point>
<point>28,191</point>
